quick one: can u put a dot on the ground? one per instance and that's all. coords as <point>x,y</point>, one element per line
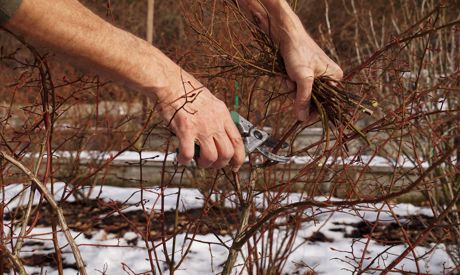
<point>103,228</point>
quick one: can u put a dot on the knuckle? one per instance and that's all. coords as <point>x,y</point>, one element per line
<point>183,159</point>
<point>239,158</point>
<point>188,154</point>
<point>237,141</point>
<point>185,155</point>
<point>302,101</point>
<point>209,158</point>
<point>227,154</point>
<point>187,127</point>
<point>221,105</point>
<point>310,77</point>
<point>184,124</point>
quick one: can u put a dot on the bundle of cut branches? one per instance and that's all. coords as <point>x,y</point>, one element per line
<point>256,54</point>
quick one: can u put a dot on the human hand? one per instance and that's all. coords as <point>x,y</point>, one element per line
<point>305,60</point>
<point>197,116</point>
<point>93,44</point>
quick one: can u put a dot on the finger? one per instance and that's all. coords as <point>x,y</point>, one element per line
<point>303,96</point>
<point>239,153</point>
<point>291,88</point>
<point>335,72</point>
<point>186,148</point>
<point>332,69</point>
<point>208,152</point>
<point>224,151</point>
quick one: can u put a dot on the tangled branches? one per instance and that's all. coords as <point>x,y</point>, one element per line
<point>338,192</point>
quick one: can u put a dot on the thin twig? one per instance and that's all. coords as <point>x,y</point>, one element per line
<point>54,206</point>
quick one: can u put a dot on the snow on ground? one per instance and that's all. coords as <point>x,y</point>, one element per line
<point>124,156</point>
<point>154,156</point>
<point>105,251</point>
<point>190,198</point>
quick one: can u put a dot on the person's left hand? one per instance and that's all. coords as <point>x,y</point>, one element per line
<point>305,60</point>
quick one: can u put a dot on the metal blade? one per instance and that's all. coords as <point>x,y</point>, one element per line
<point>272,142</point>
<point>273,157</point>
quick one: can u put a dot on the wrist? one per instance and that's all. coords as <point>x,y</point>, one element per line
<point>148,70</point>
<point>287,24</point>
<point>276,18</point>
<point>170,85</point>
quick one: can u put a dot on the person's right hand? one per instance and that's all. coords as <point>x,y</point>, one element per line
<point>95,45</point>
<point>203,119</point>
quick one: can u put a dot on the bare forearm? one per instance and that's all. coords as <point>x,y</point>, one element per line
<point>71,29</point>
<point>74,31</point>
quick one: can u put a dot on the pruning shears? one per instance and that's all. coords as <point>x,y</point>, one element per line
<point>257,139</point>
<point>254,139</point>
